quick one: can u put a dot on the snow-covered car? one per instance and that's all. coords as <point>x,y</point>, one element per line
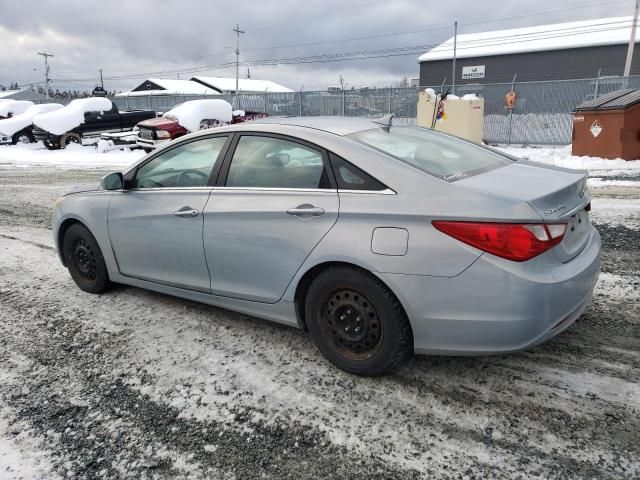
<point>83,120</point>
<point>189,117</point>
<point>19,128</point>
<point>9,108</point>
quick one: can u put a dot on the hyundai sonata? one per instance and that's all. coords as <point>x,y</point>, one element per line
<point>381,240</point>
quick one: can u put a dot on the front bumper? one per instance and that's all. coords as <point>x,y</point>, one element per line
<point>146,143</point>
<point>498,306</point>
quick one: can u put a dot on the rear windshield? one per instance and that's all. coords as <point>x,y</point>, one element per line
<point>441,155</point>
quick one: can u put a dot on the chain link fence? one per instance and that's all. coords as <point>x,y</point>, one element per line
<point>542,114</point>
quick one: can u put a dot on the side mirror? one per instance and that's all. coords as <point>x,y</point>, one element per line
<point>113,181</point>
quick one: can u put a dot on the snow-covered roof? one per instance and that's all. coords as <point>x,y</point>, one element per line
<point>8,93</point>
<point>168,87</point>
<point>246,85</point>
<point>589,33</point>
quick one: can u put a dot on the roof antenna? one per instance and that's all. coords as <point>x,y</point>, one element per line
<point>385,121</point>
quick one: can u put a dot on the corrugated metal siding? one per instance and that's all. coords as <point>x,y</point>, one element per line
<point>535,66</point>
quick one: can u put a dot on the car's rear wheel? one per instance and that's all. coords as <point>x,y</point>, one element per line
<point>69,138</point>
<point>84,259</point>
<point>357,322</point>
<point>51,145</point>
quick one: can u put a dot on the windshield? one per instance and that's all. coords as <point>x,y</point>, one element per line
<point>441,155</point>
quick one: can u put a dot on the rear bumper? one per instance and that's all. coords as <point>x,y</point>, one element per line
<point>498,306</point>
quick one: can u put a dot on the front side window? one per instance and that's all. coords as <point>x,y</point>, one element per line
<point>276,163</point>
<point>187,165</point>
<point>441,155</point>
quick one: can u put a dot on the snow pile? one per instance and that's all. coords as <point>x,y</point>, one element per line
<point>192,113</point>
<point>470,97</point>
<point>74,156</point>
<point>13,107</point>
<point>238,113</point>
<point>561,157</point>
<point>16,123</point>
<point>431,93</point>
<point>69,117</point>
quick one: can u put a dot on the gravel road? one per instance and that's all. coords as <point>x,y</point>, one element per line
<point>133,384</point>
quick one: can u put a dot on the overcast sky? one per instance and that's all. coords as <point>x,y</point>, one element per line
<point>154,38</point>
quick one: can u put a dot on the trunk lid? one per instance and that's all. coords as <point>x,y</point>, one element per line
<point>556,194</point>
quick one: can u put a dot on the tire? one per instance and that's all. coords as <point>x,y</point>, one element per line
<point>51,145</point>
<point>84,259</point>
<point>356,322</point>
<point>68,138</point>
<point>22,137</point>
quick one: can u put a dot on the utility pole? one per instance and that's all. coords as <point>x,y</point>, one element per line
<point>632,41</point>
<point>342,88</point>
<point>455,45</point>
<point>238,32</point>
<point>101,80</point>
<point>46,70</point>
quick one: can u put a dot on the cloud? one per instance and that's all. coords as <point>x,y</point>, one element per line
<point>127,38</point>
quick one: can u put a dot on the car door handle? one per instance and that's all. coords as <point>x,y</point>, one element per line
<point>186,212</point>
<point>306,210</point>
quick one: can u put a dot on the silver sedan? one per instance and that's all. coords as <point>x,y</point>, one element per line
<point>380,240</point>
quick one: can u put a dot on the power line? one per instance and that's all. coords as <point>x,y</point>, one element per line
<point>383,35</point>
<point>381,53</point>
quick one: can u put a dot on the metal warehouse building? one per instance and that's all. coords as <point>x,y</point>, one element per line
<point>562,51</point>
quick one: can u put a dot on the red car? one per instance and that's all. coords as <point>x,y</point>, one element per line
<point>155,132</point>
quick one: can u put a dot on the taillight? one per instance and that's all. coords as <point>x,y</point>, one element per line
<point>514,241</point>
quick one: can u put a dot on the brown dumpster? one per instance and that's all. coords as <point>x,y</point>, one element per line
<point>608,126</point>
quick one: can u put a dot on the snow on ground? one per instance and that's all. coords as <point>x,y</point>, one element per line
<point>73,156</point>
<point>561,157</point>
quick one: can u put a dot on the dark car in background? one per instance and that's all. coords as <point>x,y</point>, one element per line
<point>94,124</point>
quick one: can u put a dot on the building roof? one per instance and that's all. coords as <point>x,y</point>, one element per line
<point>23,94</point>
<point>246,85</point>
<point>8,93</point>
<point>618,100</point>
<point>164,86</point>
<point>559,36</point>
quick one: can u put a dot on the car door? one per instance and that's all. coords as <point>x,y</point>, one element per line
<point>98,122</point>
<point>273,204</point>
<point>155,223</point>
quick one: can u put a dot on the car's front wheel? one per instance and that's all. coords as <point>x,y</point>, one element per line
<point>357,322</point>
<point>22,137</point>
<point>84,259</point>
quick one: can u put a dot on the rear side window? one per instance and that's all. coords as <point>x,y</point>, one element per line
<point>269,162</point>
<point>350,177</point>
<point>440,155</point>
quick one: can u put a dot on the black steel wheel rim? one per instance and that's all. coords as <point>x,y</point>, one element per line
<point>85,259</point>
<point>350,324</point>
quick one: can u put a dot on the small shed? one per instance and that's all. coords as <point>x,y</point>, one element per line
<point>608,126</point>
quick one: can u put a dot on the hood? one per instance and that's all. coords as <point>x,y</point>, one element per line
<point>158,122</point>
<point>87,187</point>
